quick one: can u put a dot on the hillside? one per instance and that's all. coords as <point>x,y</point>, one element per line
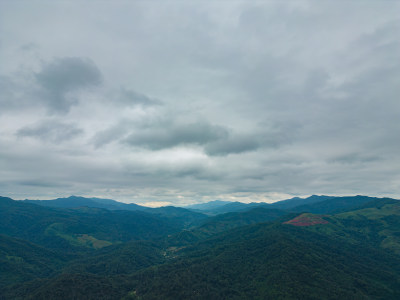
<point>375,223</point>
<point>75,201</point>
<point>294,202</point>
<point>273,262</point>
<point>81,228</point>
<point>224,222</point>
<point>334,205</point>
<point>184,215</point>
<point>22,261</point>
<point>208,206</point>
<point>253,262</point>
<point>262,253</point>
<point>126,258</point>
<point>314,204</point>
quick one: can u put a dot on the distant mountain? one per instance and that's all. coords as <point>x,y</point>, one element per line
<point>238,206</point>
<point>183,215</point>
<point>314,204</point>
<point>296,201</point>
<point>75,201</point>
<point>221,207</point>
<point>208,205</point>
<point>334,205</point>
<point>80,228</point>
<point>227,207</point>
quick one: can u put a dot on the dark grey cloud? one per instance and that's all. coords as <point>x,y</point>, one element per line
<point>233,145</point>
<point>42,183</point>
<point>29,47</point>
<point>51,130</point>
<point>132,98</point>
<point>113,133</point>
<point>63,76</point>
<point>355,158</point>
<point>7,96</point>
<point>199,133</point>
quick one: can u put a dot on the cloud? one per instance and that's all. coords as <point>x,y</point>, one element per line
<point>42,183</point>
<point>51,131</point>
<point>201,99</point>
<point>355,158</point>
<point>132,98</point>
<point>233,145</point>
<point>108,135</point>
<point>63,76</point>
<point>7,96</point>
<point>199,133</point>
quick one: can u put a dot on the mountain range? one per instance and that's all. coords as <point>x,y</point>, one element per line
<point>320,247</point>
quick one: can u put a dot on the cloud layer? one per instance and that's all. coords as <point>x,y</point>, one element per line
<point>188,102</point>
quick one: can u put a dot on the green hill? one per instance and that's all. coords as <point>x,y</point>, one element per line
<point>179,214</point>
<point>224,222</point>
<point>273,262</point>
<point>376,223</point>
<point>334,205</point>
<point>263,261</point>
<point>352,254</point>
<point>126,258</point>
<point>81,228</point>
<point>21,261</point>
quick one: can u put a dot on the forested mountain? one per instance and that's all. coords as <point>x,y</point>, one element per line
<point>317,204</point>
<point>334,205</point>
<point>185,215</point>
<point>21,261</point>
<point>273,262</point>
<point>75,201</point>
<point>294,202</point>
<point>351,251</point>
<point>80,228</point>
<point>224,222</point>
<point>208,206</point>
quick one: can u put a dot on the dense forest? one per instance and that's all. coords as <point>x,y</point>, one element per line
<point>319,247</point>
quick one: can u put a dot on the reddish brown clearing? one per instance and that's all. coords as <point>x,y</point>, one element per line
<point>307,220</point>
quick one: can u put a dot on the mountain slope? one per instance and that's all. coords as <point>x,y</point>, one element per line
<point>74,201</point>
<point>353,254</point>
<point>21,261</point>
<point>185,216</point>
<point>375,223</point>
<point>221,207</point>
<point>83,228</point>
<point>208,205</point>
<point>224,222</point>
<point>260,261</point>
<point>274,262</point>
<point>294,202</point>
<point>126,258</point>
<point>334,205</point>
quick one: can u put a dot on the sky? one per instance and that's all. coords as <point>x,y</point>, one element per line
<point>182,102</point>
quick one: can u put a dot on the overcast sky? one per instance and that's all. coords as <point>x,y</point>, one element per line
<point>179,102</point>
